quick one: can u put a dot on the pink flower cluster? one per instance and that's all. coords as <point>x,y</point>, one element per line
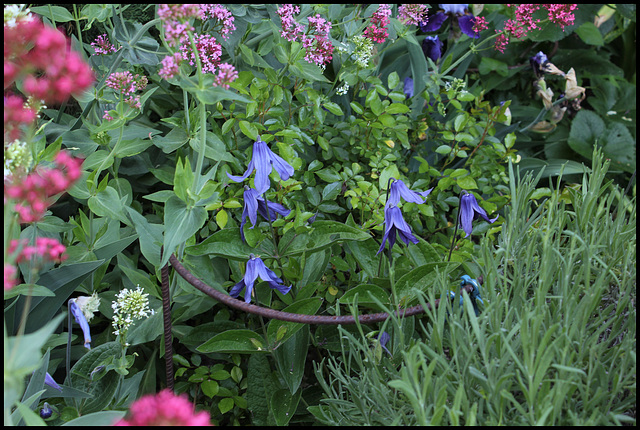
<point>46,248</point>
<point>10,278</point>
<point>164,409</point>
<point>222,15</point>
<point>128,85</point>
<point>319,49</point>
<point>175,18</point>
<point>479,24</point>
<point>40,57</point>
<point>412,14</point>
<point>35,190</point>
<point>524,21</point>
<point>377,31</point>
<point>226,74</point>
<point>209,51</point>
<point>103,46</point>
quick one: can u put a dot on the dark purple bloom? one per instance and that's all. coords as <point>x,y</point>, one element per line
<point>264,161</point>
<point>399,189</point>
<point>408,87</point>
<point>78,315</point>
<point>383,338</point>
<point>538,62</point>
<point>46,411</point>
<point>469,211</point>
<point>459,12</point>
<point>256,268</point>
<point>254,203</point>
<point>432,47</point>
<point>395,224</point>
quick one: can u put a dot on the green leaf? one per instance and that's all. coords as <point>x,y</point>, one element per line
<point>367,296</point>
<point>304,307</point>
<point>467,183</point>
<point>54,13</point>
<point>107,203</point>
<point>590,34</point>
<point>291,358</point>
<point>104,389</point>
<point>181,223</point>
<point>396,108</point>
<point>235,341</point>
<point>150,236</point>
<point>488,65</point>
<point>210,388</point>
<point>421,278</point>
<point>334,108</point>
<point>225,405</point>
<point>324,234</point>
<point>226,243</point>
<point>443,149</point>
<point>393,80</point>
<point>102,418</point>
<point>260,390</point>
<point>249,130</point>
<point>127,148</point>
<point>284,405</point>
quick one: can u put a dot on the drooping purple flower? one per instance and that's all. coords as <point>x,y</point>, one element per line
<point>432,47</point>
<point>469,211</point>
<point>459,12</point>
<point>408,87</point>
<point>254,203</point>
<point>46,411</point>
<point>263,161</point>
<point>538,62</point>
<point>256,268</point>
<point>399,189</point>
<point>394,224</point>
<point>48,379</point>
<point>78,315</point>
<point>383,338</point>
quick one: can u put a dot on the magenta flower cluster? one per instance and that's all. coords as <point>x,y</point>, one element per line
<point>412,14</point>
<point>128,84</point>
<point>319,49</point>
<point>219,12</point>
<point>377,31</point>
<point>103,46</point>
<point>164,409</point>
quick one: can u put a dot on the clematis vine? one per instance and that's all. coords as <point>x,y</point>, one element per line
<point>254,203</point>
<point>399,189</point>
<point>459,12</point>
<point>256,268</point>
<point>263,161</point>
<point>470,211</point>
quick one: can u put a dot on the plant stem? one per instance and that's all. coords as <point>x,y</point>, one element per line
<point>455,233</point>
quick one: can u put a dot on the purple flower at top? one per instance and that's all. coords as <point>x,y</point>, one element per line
<point>470,211</point>
<point>78,315</point>
<point>395,224</point>
<point>432,47</point>
<point>538,62</point>
<point>48,380</point>
<point>254,203</point>
<point>459,12</point>
<point>256,268</point>
<point>399,189</point>
<point>264,161</point>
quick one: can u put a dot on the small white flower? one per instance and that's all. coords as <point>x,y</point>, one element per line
<point>343,89</point>
<point>88,305</point>
<point>129,305</point>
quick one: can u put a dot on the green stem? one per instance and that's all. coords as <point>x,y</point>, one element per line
<point>541,114</point>
<point>455,233</point>
<point>472,50</point>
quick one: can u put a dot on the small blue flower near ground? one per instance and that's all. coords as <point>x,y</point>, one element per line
<point>256,268</point>
<point>470,211</point>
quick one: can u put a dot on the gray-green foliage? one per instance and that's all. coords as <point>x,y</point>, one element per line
<point>555,344</point>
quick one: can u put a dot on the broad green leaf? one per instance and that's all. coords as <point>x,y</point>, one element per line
<point>334,108</point>
<point>107,203</point>
<point>54,13</point>
<point>102,418</point>
<point>226,243</point>
<point>284,405</point>
<point>367,296</point>
<point>260,390</point>
<point>305,307</point>
<point>149,235</point>
<point>324,234</point>
<point>235,341</point>
<point>590,34</point>
<point>104,388</point>
<point>180,223</point>
<point>421,278</point>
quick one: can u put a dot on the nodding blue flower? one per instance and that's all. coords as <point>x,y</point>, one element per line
<point>256,268</point>
<point>263,161</point>
<point>399,189</point>
<point>46,411</point>
<point>408,87</point>
<point>395,224</point>
<point>538,62</point>
<point>459,12</point>
<point>48,379</point>
<point>254,203</point>
<point>432,47</point>
<point>469,211</point>
<point>77,313</point>
<point>383,338</point>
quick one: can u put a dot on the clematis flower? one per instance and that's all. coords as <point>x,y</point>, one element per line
<point>395,224</point>
<point>383,338</point>
<point>459,12</point>
<point>263,161</point>
<point>408,87</point>
<point>538,63</point>
<point>469,211</point>
<point>254,203</point>
<point>399,189</point>
<point>78,314</point>
<point>48,379</point>
<point>256,268</point>
<point>432,47</point>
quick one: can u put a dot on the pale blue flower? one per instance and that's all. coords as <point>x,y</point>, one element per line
<point>80,318</point>
<point>395,224</point>
<point>469,211</point>
<point>256,268</point>
<point>254,203</point>
<point>263,161</point>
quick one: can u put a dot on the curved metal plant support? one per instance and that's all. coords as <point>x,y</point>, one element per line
<point>266,312</point>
